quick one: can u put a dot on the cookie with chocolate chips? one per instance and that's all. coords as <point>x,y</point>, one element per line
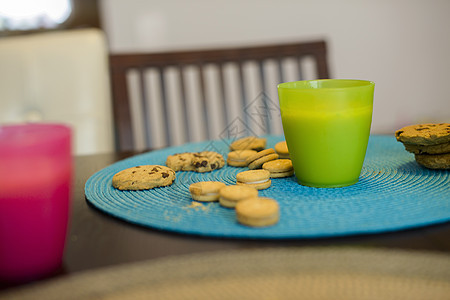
<point>430,144</point>
<point>143,177</point>
<point>204,161</point>
<point>180,161</point>
<point>207,161</point>
<point>429,149</point>
<point>434,161</point>
<point>424,134</point>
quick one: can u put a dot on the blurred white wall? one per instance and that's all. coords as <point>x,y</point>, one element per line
<point>402,45</point>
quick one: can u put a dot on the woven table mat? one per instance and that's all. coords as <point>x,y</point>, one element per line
<point>393,193</point>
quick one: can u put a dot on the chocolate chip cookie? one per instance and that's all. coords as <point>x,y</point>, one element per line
<point>180,161</point>
<point>204,161</point>
<point>207,161</point>
<point>434,161</point>
<point>143,177</point>
<point>430,144</point>
<point>424,134</point>
<point>429,149</point>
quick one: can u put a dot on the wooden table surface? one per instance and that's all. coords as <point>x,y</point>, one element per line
<point>98,240</point>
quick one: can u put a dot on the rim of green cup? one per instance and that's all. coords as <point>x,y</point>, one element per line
<point>329,84</point>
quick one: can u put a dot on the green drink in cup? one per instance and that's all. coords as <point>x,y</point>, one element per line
<point>326,124</point>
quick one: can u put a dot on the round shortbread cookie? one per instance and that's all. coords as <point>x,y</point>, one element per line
<point>424,134</point>
<point>281,149</point>
<point>259,154</point>
<point>232,194</point>
<point>249,143</point>
<point>252,176</point>
<point>257,164</point>
<point>278,165</point>
<point>279,168</point>
<point>434,161</point>
<point>258,179</point>
<point>257,160</point>
<point>206,191</point>
<point>282,174</point>
<point>258,212</point>
<point>237,158</point>
<point>143,177</point>
<point>259,186</point>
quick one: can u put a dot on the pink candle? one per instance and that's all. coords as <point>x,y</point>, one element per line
<point>35,186</point>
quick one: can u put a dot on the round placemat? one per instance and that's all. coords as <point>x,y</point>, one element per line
<point>393,193</point>
<point>283,273</point>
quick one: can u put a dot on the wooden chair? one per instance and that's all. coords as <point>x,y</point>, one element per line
<point>164,99</point>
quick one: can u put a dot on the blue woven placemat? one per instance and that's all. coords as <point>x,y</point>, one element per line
<point>393,193</point>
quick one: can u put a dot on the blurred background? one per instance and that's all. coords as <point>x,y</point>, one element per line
<point>401,45</point>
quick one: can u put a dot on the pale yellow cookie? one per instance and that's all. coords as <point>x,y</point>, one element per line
<point>258,179</point>
<point>206,191</point>
<point>238,158</point>
<point>143,177</point>
<point>282,150</point>
<point>257,160</point>
<point>249,143</point>
<point>258,212</point>
<point>279,168</point>
<point>232,194</point>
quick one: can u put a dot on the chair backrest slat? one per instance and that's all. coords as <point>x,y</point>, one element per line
<point>204,102</point>
<point>183,105</point>
<point>242,84</point>
<point>223,99</point>
<point>144,103</point>
<point>209,88</point>
<point>299,68</point>
<point>164,104</point>
<point>280,69</point>
<point>121,109</point>
<point>264,105</point>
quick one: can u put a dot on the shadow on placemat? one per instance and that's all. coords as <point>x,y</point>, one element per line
<point>286,273</point>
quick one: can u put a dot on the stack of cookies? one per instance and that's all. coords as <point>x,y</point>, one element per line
<point>251,153</point>
<point>256,160</point>
<point>430,144</point>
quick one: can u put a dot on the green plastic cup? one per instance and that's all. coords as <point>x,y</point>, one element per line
<point>326,124</point>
